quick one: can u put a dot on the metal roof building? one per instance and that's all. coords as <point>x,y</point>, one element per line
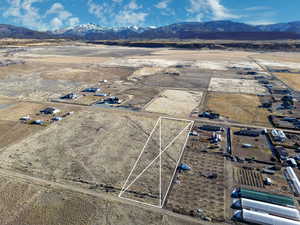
<point>264,197</point>
<point>262,218</point>
<point>292,177</point>
<point>275,210</point>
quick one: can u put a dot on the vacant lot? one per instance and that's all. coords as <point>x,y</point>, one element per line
<point>82,146</point>
<point>152,174</point>
<point>291,79</point>
<point>238,107</point>
<point>176,103</point>
<point>236,86</point>
<point>35,204</point>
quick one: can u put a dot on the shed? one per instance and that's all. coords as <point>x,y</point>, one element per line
<point>211,128</point>
<point>250,133</point>
<point>254,217</point>
<point>50,111</point>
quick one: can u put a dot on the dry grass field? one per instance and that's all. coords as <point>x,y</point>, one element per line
<point>38,204</point>
<point>175,103</point>
<point>238,107</point>
<point>291,79</point>
<point>82,146</point>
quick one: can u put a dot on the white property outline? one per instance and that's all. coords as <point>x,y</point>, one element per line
<point>161,201</point>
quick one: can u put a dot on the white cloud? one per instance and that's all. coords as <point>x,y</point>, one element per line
<point>212,9</point>
<point>59,10</point>
<point>26,13</point>
<point>113,14</point>
<point>133,5</point>
<point>94,8</point>
<point>258,8</point>
<point>62,16</point>
<point>163,4</point>
<point>56,23</point>
<point>73,21</point>
<point>130,18</point>
<point>23,12</point>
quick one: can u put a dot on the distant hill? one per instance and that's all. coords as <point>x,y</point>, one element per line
<point>190,30</point>
<point>10,31</point>
<point>187,30</point>
<point>282,27</point>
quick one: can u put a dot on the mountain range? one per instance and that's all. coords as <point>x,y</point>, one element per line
<point>185,30</point>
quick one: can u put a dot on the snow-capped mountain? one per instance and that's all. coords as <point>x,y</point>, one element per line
<point>94,29</point>
<point>187,30</point>
<point>212,29</point>
<point>81,30</point>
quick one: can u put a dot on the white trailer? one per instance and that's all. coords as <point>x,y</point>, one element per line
<point>272,209</point>
<point>262,218</point>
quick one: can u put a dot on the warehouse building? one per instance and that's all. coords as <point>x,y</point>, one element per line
<point>264,197</point>
<point>254,217</point>
<point>272,209</point>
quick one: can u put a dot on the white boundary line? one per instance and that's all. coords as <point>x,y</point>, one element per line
<point>161,201</point>
<point>143,203</point>
<point>168,118</point>
<point>175,170</point>
<point>147,167</point>
<point>160,163</point>
<point>139,156</point>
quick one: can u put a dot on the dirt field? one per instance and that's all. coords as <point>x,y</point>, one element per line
<point>175,103</point>
<point>36,204</point>
<point>260,150</point>
<point>279,59</point>
<point>149,182</point>
<point>291,79</point>
<point>82,146</point>
<point>194,189</point>
<point>238,107</point>
<point>236,86</point>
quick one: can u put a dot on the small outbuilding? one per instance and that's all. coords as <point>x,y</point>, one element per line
<point>50,111</point>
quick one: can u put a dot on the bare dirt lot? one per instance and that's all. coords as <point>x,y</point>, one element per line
<point>260,149</point>
<point>175,102</point>
<point>288,60</point>
<point>36,204</point>
<point>236,86</point>
<point>238,107</point>
<point>82,146</point>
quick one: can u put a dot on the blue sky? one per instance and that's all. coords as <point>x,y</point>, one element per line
<point>57,14</point>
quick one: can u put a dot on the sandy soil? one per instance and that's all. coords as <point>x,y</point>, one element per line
<point>236,86</point>
<point>238,107</point>
<point>176,103</point>
<point>291,79</point>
